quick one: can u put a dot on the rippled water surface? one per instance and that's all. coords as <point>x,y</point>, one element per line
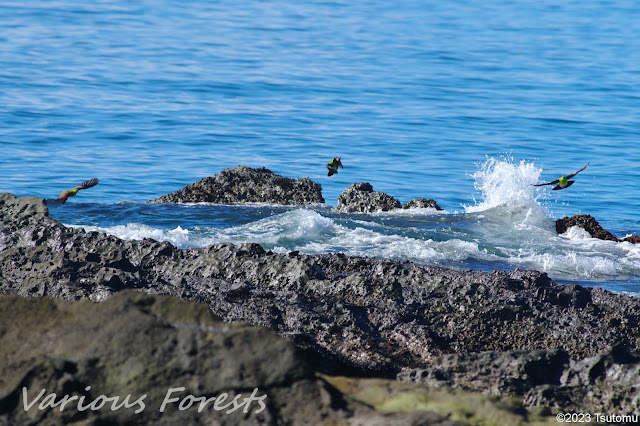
<point>467,103</point>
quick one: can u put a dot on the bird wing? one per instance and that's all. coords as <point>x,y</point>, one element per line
<point>88,184</point>
<point>553,182</point>
<point>573,174</point>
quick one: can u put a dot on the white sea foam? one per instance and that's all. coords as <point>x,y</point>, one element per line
<point>576,233</point>
<point>412,212</point>
<point>134,231</point>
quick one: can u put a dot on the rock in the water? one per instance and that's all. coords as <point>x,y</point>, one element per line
<point>633,239</point>
<point>421,203</point>
<point>247,185</point>
<point>589,224</point>
<point>360,197</point>
<point>586,222</point>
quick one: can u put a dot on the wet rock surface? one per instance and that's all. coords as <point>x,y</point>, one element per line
<point>633,239</point>
<point>247,185</point>
<point>591,225</point>
<point>422,203</point>
<point>349,315</point>
<point>360,197</point>
<point>586,222</point>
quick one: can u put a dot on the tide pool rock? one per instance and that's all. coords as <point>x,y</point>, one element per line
<point>247,185</point>
<point>361,198</point>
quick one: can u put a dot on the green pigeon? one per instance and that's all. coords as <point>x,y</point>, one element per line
<point>564,181</point>
<point>64,195</point>
<point>333,166</point>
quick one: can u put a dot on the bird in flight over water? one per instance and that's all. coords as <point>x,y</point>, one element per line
<point>64,195</point>
<point>564,181</point>
<point>333,165</point>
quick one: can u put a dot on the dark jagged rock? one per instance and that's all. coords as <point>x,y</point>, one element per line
<point>360,197</point>
<point>247,185</point>
<point>606,382</point>
<point>591,225</point>
<point>154,349</point>
<point>137,344</point>
<point>513,372</point>
<point>633,239</point>
<point>586,222</point>
<point>421,203</point>
<point>352,315</point>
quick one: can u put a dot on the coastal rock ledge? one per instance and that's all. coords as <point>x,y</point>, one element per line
<point>247,185</point>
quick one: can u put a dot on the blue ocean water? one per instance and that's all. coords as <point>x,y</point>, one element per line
<point>465,102</point>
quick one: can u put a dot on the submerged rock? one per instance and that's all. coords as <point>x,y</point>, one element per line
<point>360,197</point>
<point>247,185</point>
<point>350,315</point>
<point>422,203</point>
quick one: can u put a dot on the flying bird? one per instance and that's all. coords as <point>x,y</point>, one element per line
<point>64,195</point>
<point>333,166</point>
<point>564,181</point>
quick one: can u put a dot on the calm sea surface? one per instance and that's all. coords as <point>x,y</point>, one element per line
<point>465,102</point>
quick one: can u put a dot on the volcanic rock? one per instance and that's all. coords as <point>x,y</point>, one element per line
<point>422,203</point>
<point>606,382</point>
<point>137,344</point>
<point>360,197</point>
<point>586,222</point>
<point>633,239</point>
<point>247,185</point>
<point>589,224</point>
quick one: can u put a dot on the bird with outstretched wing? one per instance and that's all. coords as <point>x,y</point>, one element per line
<point>64,195</point>
<point>563,182</point>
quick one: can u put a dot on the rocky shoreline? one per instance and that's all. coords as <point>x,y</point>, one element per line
<point>515,334</point>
